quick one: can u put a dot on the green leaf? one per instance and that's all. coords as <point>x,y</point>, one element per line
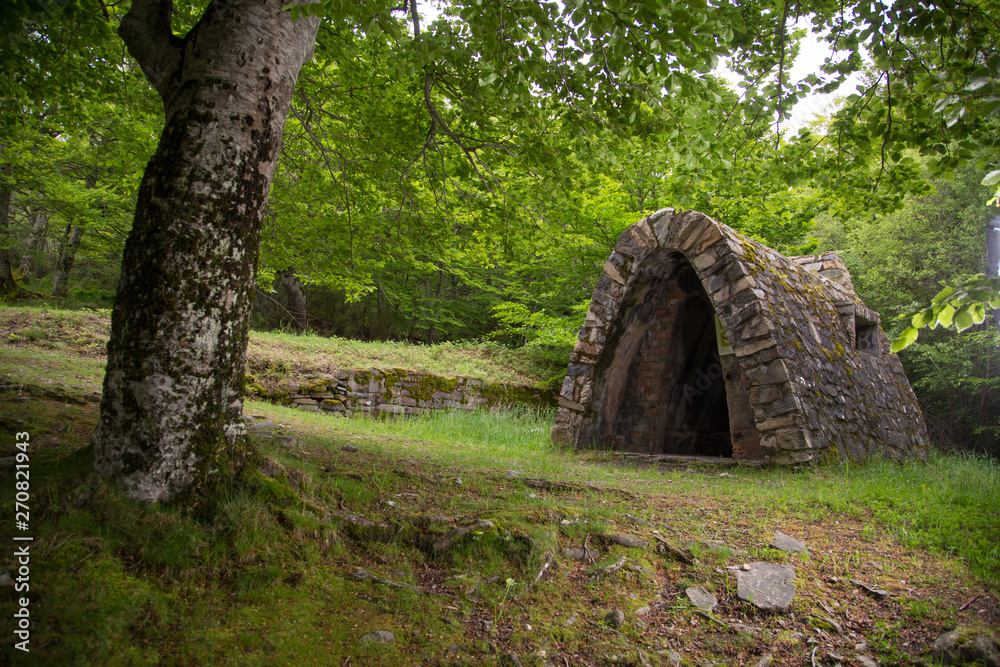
<point>963,319</point>
<point>946,316</point>
<point>992,178</point>
<point>907,338</point>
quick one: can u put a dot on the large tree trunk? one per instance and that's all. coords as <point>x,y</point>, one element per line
<point>67,256</point>
<point>171,413</point>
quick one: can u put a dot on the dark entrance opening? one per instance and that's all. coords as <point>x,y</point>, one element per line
<point>661,386</point>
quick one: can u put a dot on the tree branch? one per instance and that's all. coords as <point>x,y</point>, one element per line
<point>147,34</point>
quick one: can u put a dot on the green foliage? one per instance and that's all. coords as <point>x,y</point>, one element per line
<point>962,305</point>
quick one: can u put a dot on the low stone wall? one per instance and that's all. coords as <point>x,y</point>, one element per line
<point>397,391</point>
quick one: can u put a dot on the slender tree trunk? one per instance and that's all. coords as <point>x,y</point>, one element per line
<point>171,413</point>
<point>67,256</point>
<point>7,284</point>
<point>295,299</point>
<point>36,244</point>
<point>993,257</point>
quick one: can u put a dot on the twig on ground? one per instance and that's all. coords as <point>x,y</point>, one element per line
<point>969,603</point>
<point>538,577</point>
<point>670,550</point>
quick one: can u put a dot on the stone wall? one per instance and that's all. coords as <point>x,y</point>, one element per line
<point>397,391</point>
<point>812,377</point>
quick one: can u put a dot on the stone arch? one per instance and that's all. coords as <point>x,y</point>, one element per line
<point>649,375</point>
<point>797,387</point>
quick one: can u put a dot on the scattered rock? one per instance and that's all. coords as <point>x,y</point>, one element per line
<point>876,593</point>
<point>746,629</point>
<point>768,586</point>
<point>865,661</point>
<point>5,579</point>
<point>642,611</point>
<point>259,426</point>
<point>702,598</point>
<point>787,543</point>
<point>348,448</point>
<point>286,441</point>
<point>571,620</point>
<point>674,658</point>
<point>765,661</point>
<point>960,647</point>
<point>615,618</point>
<point>379,637</point>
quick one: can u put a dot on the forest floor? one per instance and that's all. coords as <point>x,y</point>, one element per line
<point>452,532</point>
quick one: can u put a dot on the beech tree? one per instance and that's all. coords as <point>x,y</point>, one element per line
<point>171,411</point>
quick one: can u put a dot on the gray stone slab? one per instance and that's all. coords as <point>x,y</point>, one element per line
<point>769,586</point>
<point>702,598</point>
<point>787,543</point>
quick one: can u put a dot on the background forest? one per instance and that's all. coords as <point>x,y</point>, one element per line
<point>380,228</point>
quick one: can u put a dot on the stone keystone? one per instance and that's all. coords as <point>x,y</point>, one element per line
<point>769,586</point>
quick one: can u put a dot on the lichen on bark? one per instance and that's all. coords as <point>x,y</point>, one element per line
<point>171,412</point>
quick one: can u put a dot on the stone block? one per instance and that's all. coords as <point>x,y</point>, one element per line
<point>571,405</point>
<point>612,272</point>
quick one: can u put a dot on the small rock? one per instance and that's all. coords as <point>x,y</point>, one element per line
<point>348,448</point>
<point>378,637</point>
<point>702,598</point>
<point>865,661</point>
<point>257,426</point>
<point>286,441</point>
<point>5,579</point>
<point>787,543</point>
<point>626,541</point>
<point>765,661</point>
<point>861,646</point>
<point>571,620</point>
<point>615,618</point>
<point>768,586</point>
<point>673,657</point>
<point>578,554</point>
<point>642,611</point>
<point>960,647</point>
<point>513,474</point>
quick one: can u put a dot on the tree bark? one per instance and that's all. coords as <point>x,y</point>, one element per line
<point>993,257</point>
<point>67,256</point>
<point>295,299</point>
<point>36,244</point>
<point>171,413</point>
<point>7,284</point>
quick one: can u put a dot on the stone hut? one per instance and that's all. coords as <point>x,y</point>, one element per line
<point>700,341</point>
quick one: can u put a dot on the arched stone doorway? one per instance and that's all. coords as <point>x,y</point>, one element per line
<point>661,386</point>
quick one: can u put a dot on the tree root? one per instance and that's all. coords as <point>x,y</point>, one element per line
<point>360,574</point>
